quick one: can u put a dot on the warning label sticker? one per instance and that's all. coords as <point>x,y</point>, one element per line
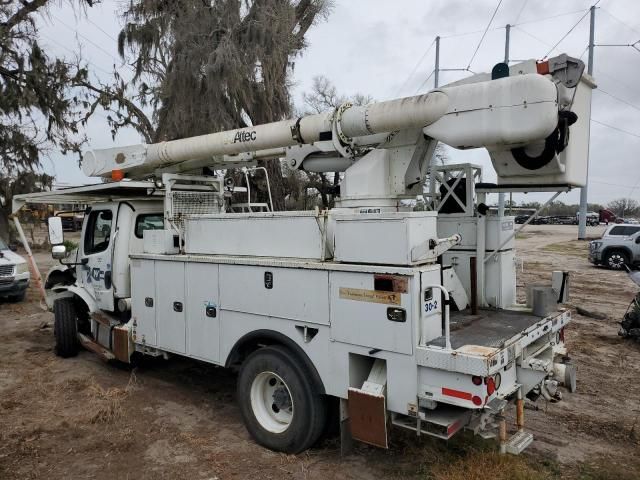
<point>373,296</point>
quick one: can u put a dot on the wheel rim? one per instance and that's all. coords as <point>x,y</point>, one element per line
<point>616,261</point>
<point>271,402</point>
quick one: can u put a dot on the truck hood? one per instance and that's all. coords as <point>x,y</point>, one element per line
<point>9,257</point>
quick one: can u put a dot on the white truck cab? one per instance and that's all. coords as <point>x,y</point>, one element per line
<point>111,232</point>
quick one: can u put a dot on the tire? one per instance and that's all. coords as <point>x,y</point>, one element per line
<point>616,259</point>
<point>297,415</point>
<point>65,328</point>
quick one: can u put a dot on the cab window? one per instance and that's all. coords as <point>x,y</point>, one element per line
<point>148,221</point>
<point>98,231</point>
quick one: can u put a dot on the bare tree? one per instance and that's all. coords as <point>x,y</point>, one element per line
<point>625,207</point>
<point>322,97</point>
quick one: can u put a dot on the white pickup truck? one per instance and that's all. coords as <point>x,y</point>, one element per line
<point>14,274</point>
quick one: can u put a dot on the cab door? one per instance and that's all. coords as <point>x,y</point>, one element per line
<point>95,273</point>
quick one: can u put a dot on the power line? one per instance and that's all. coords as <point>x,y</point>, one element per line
<point>570,30</point>
<point>74,52</point>
<point>100,28</point>
<point>425,81</point>
<point>485,33</point>
<point>618,98</point>
<point>615,128</point>
<point>415,68</point>
<point>524,4</point>
<point>75,30</point>
<point>535,20</point>
<point>617,80</point>
<point>620,21</point>
<point>464,34</point>
<point>612,184</point>
<point>531,35</point>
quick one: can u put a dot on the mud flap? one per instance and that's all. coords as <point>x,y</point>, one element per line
<point>368,417</point>
<point>367,407</point>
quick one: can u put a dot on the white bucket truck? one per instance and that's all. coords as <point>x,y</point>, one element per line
<point>408,318</point>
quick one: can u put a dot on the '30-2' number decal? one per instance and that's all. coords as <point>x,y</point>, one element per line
<point>431,306</point>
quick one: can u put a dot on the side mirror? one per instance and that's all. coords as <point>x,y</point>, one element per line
<point>13,247</point>
<point>59,252</point>
<point>56,235</point>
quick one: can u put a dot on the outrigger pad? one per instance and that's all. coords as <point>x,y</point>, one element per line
<point>368,417</point>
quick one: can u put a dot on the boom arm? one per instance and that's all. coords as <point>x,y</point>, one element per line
<point>521,118</point>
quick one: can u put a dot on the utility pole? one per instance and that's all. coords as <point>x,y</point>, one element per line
<point>582,221</point>
<point>506,60</point>
<point>437,66</point>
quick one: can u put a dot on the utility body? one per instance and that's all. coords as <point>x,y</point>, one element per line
<point>406,318</point>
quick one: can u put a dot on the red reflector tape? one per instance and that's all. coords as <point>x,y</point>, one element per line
<point>456,393</point>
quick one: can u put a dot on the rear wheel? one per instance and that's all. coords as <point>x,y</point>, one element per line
<point>280,407</point>
<point>616,259</point>
<point>65,327</point>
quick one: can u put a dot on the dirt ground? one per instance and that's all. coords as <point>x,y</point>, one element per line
<point>82,418</point>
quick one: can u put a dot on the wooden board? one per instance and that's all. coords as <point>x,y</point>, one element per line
<point>368,417</point>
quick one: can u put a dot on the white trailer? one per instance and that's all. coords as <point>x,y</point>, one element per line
<point>408,318</point>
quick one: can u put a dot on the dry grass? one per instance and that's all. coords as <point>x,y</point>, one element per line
<point>105,405</point>
<point>464,458</point>
<point>576,248</point>
<point>483,465</point>
<point>607,469</point>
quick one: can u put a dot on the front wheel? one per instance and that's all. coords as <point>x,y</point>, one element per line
<point>65,327</point>
<point>279,406</point>
<point>616,260</point>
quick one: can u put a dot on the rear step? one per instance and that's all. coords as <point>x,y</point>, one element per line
<point>518,442</point>
<point>443,422</point>
<point>96,348</point>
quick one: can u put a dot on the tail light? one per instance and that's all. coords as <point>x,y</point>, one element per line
<point>476,380</point>
<point>491,385</point>
<point>561,334</point>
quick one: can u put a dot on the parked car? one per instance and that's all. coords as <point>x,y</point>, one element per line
<point>14,274</point>
<point>616,251</point>
<point>621,230</point>
<point>565,220</point>
<point>71,221</point>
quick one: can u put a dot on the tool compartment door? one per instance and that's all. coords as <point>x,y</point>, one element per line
<point>292,293</point>
<point>143,301</point>
<point>368,310</point>
<point>203,311</point>
<point>170,306</point>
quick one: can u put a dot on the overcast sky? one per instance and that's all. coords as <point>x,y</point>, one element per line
<point>385,49</point>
